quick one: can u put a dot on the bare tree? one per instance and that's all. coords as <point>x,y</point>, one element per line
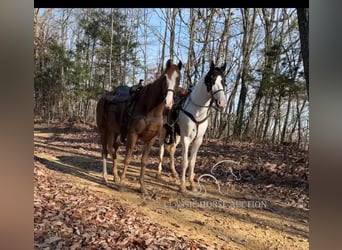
<point>303,23</point>
<point>172,32</point>
<point>254,123</point>
<point>248,28</point>
<point>111,45</point>
<point>78,53</point>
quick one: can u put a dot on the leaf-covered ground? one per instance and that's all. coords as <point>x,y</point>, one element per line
<point>69,217</point>
<point>262,202</point>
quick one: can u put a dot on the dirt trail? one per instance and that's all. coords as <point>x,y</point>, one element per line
<point>234,219</point>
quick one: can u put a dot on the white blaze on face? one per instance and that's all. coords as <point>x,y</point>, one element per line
<point>219,96</point>
<point>171,82</point>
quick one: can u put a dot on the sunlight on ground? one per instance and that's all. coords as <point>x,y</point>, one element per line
<point>231,227</point>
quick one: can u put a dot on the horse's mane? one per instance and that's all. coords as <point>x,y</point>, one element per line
<point>147,87</point>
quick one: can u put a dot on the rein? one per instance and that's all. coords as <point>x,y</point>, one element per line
<point>197,123</point>
<point>193,118</point>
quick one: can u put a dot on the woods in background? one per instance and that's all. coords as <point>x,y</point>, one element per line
<point>81,53</point>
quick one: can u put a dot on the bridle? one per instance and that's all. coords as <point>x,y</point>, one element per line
<point>212,99</point>
<point>153,118</point>
<point>169,90</point>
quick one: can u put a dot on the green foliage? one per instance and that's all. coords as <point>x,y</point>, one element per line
<point>82,72</point>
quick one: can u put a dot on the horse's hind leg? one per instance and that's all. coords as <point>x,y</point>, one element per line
<point>112,147</point>
<point>132,138</point>
<point>103,138</point>
<point>114,156</point>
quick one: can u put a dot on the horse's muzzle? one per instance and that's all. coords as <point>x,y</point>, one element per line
<point>168,103</point>
<point>169,99</point>
<point>220,103</point>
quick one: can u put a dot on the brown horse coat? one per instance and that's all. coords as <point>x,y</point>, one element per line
<point>145,121</point>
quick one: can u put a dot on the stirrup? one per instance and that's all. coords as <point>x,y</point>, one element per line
<point>168,139</point>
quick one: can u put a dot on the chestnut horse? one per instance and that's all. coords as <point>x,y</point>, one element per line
<point>144,121</point>
<point>193,122</point>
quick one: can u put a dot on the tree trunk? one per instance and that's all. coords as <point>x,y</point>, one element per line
<point>252,121</point>
<point>191,53</point>
<point>172,32</point>
<point>248,28</point>
<point>277,116</point>
<point>283,133</point>
<point>303,23</point>
<point>224,39</point>
<point>208,26</point>
<point>111,47</point>
<point>268,118</point>
<point>161,65</point>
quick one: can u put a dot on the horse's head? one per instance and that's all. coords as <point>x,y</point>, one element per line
<point>215,82</point>
<point>173,75</point>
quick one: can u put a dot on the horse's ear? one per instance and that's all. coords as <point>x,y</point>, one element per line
<point>223,67</point>
<point>179,65</point>
<point>168,63</point>
<point>212,65</point>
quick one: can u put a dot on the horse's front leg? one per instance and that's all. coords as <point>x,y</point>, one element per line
<point>161,156</point>
<point>132,139</point>
<point>192,161</point>
<point>185,149</point>
<point>144,158</point>
<point>172,152</point>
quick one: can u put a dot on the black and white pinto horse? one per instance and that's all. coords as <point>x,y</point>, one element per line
<point>193,122</point>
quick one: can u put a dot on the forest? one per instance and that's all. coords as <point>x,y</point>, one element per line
<point>258,141</point>
<point>79,54</point>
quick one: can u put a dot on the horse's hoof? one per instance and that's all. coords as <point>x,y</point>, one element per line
<point>176,181</point>
<point>175,176</point>
<point>182,189</point>
<point>158,176</point>
<point>193,188</point>
<point>116,179</point>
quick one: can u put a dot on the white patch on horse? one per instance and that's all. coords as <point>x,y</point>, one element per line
<point>219,96</point>
<point>193,127</point>
<point>171,85</point>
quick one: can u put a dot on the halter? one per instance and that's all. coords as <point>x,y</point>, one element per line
<point>171,90</point>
